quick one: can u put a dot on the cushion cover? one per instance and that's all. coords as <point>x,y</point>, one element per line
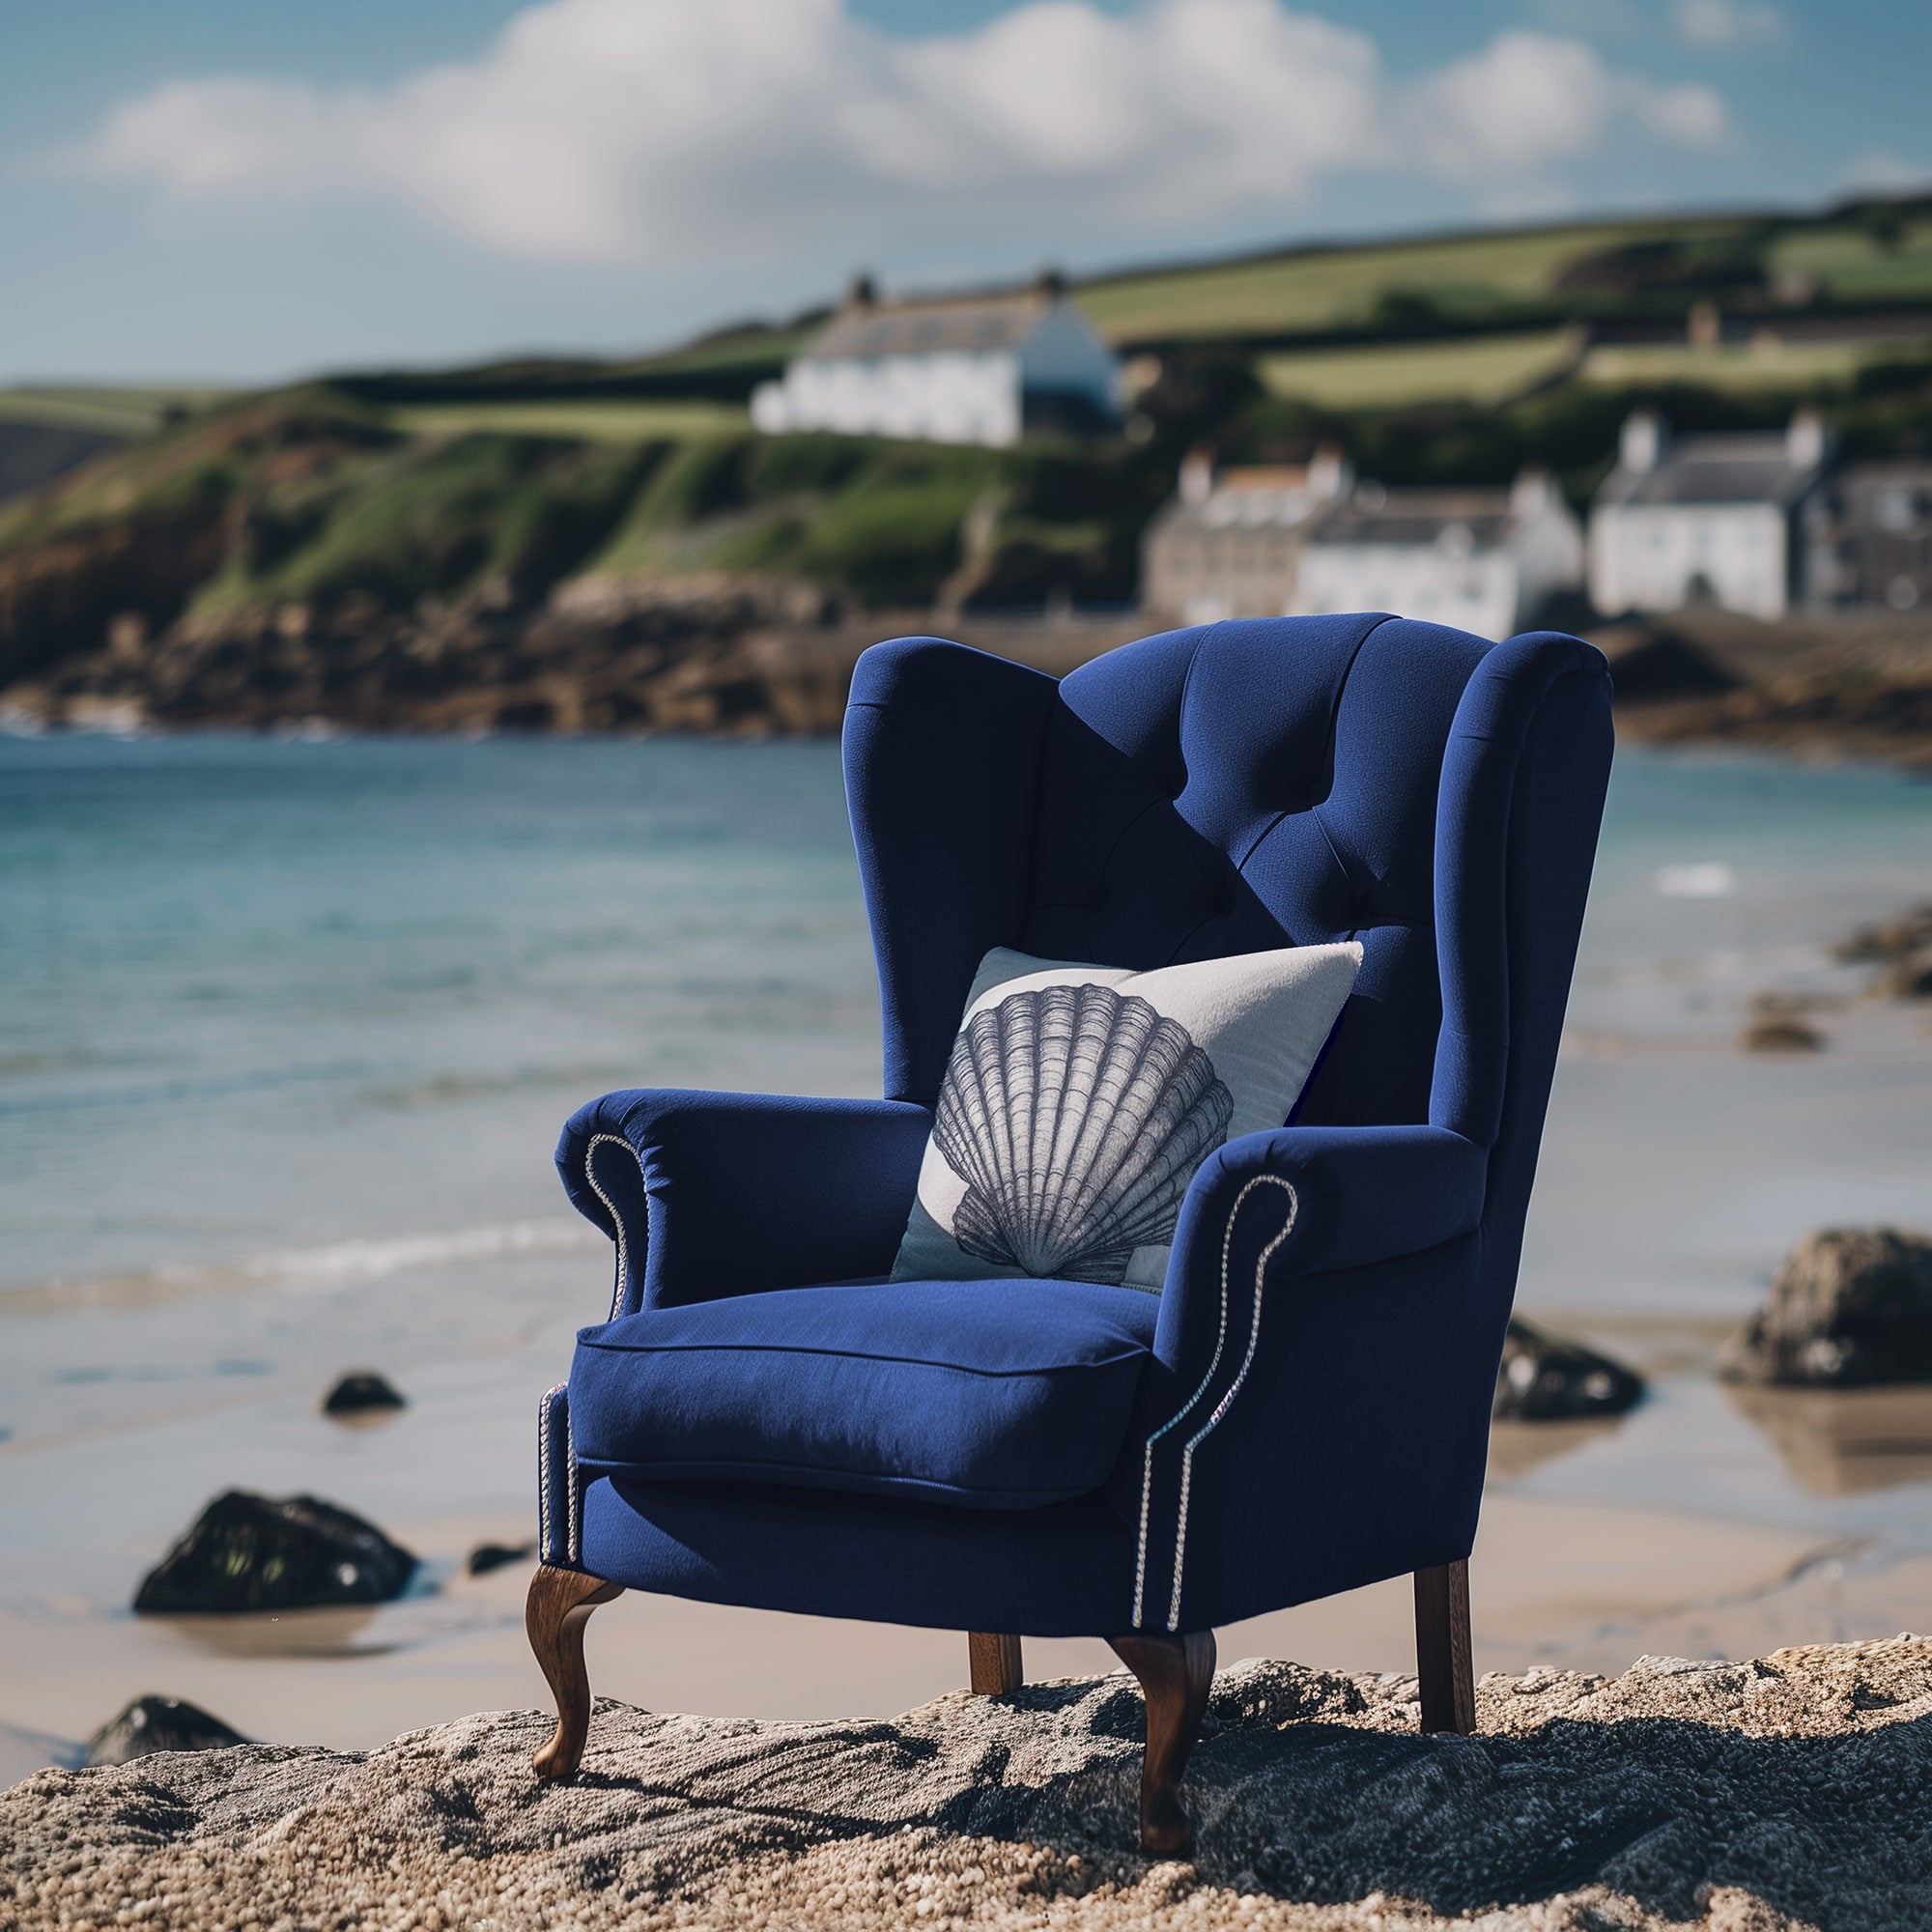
<point>1079,1100</point>
<point>1005,1395</point>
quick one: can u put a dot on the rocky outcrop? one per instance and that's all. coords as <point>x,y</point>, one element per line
<point>720,654</point>
<point>151,1724</point>
<point>61,596</point>
<point>1544,1379</point>
<point>250,1553</point>
<point>1850,1306</point>
<point>1762,1796</point>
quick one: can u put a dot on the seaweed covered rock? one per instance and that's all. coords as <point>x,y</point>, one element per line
<point>1544,1379</point>
<point>1849,1306</point>
<point>250,1553</point>
<point>151,1724</point>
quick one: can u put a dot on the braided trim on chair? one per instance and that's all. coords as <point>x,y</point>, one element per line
<point>1221,1407</point>
<point>609,1207</point>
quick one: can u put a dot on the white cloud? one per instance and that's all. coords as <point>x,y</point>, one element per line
<point>1724,24</point>
<point>1880,170</point>
<point>662,130</point>
<point>1503,117</point>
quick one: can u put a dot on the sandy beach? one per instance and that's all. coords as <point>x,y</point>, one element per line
<point>1676,1171</point>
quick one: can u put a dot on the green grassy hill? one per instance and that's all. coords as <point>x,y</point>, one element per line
<point>1454,358</point>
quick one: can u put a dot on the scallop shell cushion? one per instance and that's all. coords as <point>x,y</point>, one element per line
<point>1079,1100</point>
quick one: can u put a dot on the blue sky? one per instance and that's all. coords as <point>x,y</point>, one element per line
<point>242,190</point>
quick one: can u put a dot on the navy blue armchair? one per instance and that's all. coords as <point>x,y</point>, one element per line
<point>766,1420</point>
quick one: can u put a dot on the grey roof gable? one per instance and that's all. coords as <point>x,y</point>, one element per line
<point>929,328</point>
<point>1418,519</point>
<point>1748,469</point>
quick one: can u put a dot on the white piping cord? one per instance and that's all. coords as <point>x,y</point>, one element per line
<point>543,1470</point>
<point>1221,1407</point>
<point>609,1207</point>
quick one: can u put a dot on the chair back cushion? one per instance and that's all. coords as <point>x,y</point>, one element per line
<point>1256,784</point>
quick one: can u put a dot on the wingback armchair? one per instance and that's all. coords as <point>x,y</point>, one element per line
<point>765,1419</point>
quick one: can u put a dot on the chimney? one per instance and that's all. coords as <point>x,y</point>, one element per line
<point>1808,442</point>
<point>863,292</point>
<point>1645,437</point>
<point>1330,473</point>
<point>1534,490</point>
<point>1197,476</point>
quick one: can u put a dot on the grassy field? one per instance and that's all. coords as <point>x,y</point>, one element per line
<point>107,410</point>
<point>1479,369</point>
<point>1853,265</point>
<point>590,421</point>
<point>1339,288</point>
<point>1797,366</point>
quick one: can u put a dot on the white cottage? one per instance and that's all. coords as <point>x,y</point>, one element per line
<point>1481,561</point>
<point>1708,519</point>
<point>985,370</point>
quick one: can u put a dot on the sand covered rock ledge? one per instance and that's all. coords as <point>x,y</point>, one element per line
<point>1738,1797</point>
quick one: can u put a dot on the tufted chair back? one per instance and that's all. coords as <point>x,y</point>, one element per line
<point>1228,789</point>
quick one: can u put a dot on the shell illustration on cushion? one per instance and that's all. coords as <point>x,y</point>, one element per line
<point>1076,1118</point>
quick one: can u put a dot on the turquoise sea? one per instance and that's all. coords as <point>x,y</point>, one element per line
<point>288,1027</point>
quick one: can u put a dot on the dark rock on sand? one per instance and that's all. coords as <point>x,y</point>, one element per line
<point>151,1724</point>
<point>1546,1380</point>
<point>250,1553</point>
<point>1900,948</point>
<point>489,1556</point>
<point>1762,1796</point>
<point>361,1393</point>
<point>1775,1023</point>
<point>1849,1306</point>
<point>1888,940</point>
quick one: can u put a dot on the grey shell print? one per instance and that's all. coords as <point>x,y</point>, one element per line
<point>1076,1118</point>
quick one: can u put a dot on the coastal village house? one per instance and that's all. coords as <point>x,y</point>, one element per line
<point>985,370</point>
<point>1869,536</point>
<point>1707,519</point>
<point>1485,561</point>
<point>1227,545</point>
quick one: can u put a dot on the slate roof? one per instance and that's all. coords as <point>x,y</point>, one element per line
<point>1418,519</point>
<point>929,328</point>
<point>1744,468</point>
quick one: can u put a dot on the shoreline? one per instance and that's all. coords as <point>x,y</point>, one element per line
<point>735,659</point>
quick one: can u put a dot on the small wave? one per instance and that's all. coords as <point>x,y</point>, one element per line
<point>303,1270</point>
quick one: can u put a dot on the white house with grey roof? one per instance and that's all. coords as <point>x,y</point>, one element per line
<point>1705,520</point>
<point>983,370</point>
<point>1484,561</point>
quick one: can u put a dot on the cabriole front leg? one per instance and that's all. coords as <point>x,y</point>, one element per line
<point>555,1613</point>
<point>1176,1675</point>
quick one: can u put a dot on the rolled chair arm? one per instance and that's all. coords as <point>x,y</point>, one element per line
<point>715,1194</point>
<point>1304,1200</point>
<point>1352,1213</point>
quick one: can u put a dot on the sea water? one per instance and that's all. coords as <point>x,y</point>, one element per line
<point>288,1030</point>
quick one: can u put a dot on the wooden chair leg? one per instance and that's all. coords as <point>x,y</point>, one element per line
<point>1176,1675</point>
<point>1442,1660</point>
<point>995,1662</point>
<point>555,1613</point>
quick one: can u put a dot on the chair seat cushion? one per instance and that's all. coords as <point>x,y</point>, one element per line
<point>989,1394</point>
